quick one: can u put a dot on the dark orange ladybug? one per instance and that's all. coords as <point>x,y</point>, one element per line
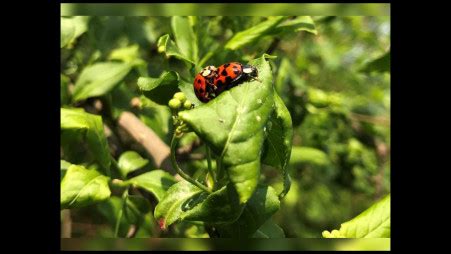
<point>232,74</point>
<point>204,84</point>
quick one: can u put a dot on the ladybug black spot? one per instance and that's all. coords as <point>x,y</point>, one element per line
<point>198,81</point>
<point>201,90</point>
<point>228,79</point>
<point>224,72</point>
<point>236,71</point>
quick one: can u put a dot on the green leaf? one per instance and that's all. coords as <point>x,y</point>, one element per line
<point>380,64</point>
<point>263,204</point>
<point>72,28</point>
<point>82,187</point>
<point>67,31</point>
<point>185,38</point>
<point>160,90</point>
<point>130,161</point>
<point>175,202</point>
<point>233,126</point>
<point>372,223</point>
<point>156,182</point>
<point>219,207</point>
<point>64,166</point>
<point>269,230</point>
<point>184,201</point>
<point>166,45</point>
<point>302,23</point>
<point>308,155</point>
<point>100,78</point>
<point>126,54</point>
<point>90,127</point>
<point>254,33</point>
<point>277,146</point>
<point>136,208</point>
<point>64,95</point>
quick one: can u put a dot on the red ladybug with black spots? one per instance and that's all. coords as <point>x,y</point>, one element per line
<point>212,81</point>
<point>233,74</point>
<point>204,84</point>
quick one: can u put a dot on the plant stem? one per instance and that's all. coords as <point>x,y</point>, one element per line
<point>121,211</point>
<point>210,169</point>
<point>179,170</point>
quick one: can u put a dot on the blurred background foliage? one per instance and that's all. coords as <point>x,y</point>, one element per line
<point>333,75</point>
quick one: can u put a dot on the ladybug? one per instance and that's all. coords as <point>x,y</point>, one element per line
<point>232,74</point>
<point>204,84</point>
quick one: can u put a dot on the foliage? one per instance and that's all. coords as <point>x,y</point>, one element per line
<point>302,149</point>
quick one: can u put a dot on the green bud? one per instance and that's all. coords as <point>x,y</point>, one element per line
<point>180,96</point>
<point>187,104</point>
<point>175,103</point>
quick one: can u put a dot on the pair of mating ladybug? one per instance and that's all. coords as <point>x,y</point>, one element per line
<point>212,81</point>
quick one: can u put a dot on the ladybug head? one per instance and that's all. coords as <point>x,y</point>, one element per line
<point>250,71</point>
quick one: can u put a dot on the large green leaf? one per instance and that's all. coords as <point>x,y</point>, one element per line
<point>156,182</point>
<point>166,45</point>
<point>184,201</point>
<point>254,33</point>
<point>185,38</point>
<point>263,204</point>
<point>130,161</point>
<point>372,223</point>
<point>161,89</point>
<point>277,147</point>
<point>233,125</point>
<point>269,230</point>
<point>100,78</point>
<point>90,127</point>
<point>82,187</point>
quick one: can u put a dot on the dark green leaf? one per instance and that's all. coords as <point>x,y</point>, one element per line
<point>156,182</point>
<point>263,204</point>
<point>380,64</point>
<point>136,208</point>
<point>166,45</point>
<point>65,95</point>
<point>100,78</point>
<point>82,187</point>
<point>130,161</point>
<point>372,223</point>
<point>254,33</point>
<point>269,230</point>
<point>90,127</point>
<point>233,126</point>
<point>277,147</point>
<point>185,38</point>
<point>160,90</point>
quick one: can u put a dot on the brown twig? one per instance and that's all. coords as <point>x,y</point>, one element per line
<point>147,138</point>
<point>66,225</point>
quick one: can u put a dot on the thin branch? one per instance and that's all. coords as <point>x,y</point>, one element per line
<point>66,225</point>
<point>147,138</point>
